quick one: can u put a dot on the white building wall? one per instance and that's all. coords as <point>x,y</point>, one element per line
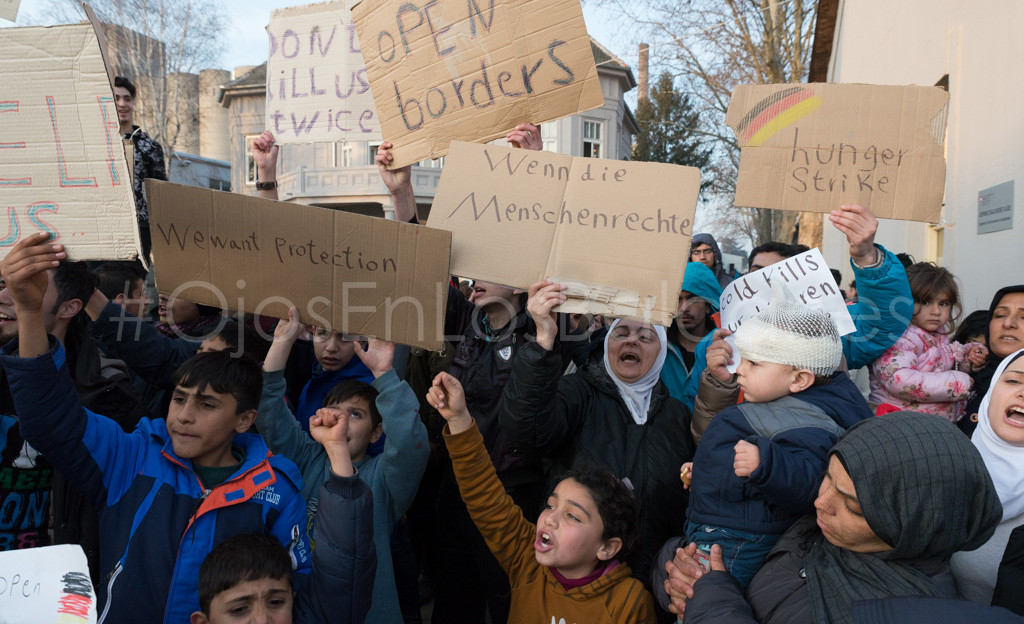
<point>978,45</point>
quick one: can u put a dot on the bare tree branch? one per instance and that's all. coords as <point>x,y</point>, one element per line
<point>712,46</point>
<point>154,43</point>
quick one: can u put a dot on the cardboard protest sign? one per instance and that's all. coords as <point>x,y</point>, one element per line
<point>444,70</point>
<point>46,585</point>
<point>808,279</point>
<point>813,147</point>
<point>64,168</point>
<point>317,88</point>
<point>9,9</point>
<point>616,233</point>
<point>347,272</point>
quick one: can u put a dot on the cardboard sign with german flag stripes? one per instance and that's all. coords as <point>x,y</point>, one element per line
<point>814,147</point>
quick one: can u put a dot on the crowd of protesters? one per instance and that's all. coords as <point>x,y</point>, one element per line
<point>216,466</point>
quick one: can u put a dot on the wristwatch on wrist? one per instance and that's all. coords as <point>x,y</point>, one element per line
<point>266,186</point>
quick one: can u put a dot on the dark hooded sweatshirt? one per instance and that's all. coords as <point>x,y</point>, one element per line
<point>718,268</point>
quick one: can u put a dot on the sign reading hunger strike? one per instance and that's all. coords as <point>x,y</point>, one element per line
<point>814,147</point>
<point>601,227</point>
<point>317,88</point>
<point>63,169</point>
<point>470,70</point>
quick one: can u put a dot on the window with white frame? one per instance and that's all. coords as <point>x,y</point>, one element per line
<point>432,163</point>
<point>250,162</point>
<point>549,135</point>
<point>371,151</point>
<point>593,132</point>
<point>347,154</point>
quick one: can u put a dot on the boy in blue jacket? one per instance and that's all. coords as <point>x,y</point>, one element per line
<point>759,464</point>
<point>171,490</point>
<point>388,406</point>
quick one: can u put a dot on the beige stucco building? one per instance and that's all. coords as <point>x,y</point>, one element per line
<point>344,176</point>
<point>974,49</point>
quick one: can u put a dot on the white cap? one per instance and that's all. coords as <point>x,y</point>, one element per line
<point>787,332</point>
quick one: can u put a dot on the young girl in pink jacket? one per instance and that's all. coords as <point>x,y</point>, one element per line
<point>924,371</point>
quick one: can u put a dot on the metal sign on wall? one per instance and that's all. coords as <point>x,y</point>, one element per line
<point>995,208</point>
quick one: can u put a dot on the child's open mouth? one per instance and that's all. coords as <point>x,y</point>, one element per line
<point>544,542</point>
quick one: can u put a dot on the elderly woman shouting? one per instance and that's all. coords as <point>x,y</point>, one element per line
<point>612,413</point>
<point>901,494</point>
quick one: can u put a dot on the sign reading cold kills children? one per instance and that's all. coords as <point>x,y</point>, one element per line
<point>347,272</point>
<point>46,585</point>
<point>814,147</point>
<point>63,169</point>
<point>317,89</point>
<point>471,70</point>
<point>808,279</point>
<point>601,227</point>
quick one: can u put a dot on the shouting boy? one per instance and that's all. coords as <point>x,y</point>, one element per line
<point>171,490</point>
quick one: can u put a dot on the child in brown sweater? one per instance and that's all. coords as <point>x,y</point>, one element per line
<point>565,567</point>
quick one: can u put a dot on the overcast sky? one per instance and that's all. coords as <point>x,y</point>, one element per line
<point>247,41</point>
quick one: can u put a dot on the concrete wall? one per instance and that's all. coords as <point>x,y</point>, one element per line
<point>214,119</point>
<point>978,45</point>
<point>183,111</point>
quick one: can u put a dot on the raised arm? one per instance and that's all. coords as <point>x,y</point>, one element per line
<point>540,409</point>
<point>885,304</point>
<point>92,451</point>
<point>340,584</point>
<point>148,353</point>
<point>508,534</point>
<point>275,421</point>
<point>264,155</point>
<point>399,182</point>
<point>407,448</point>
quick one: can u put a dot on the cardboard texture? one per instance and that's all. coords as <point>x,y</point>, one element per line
<point>317,88</point>
<point>347,272</point>
<point>46,585</point>
<point>616,233</point>
<point>809,280</point>
<point>9,9</point>
<point>63,168</point>
<point>471,70</point>
<point>814,147</point>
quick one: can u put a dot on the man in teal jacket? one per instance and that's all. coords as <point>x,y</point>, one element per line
<point>698,300</point>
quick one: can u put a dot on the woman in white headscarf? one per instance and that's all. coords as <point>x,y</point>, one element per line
<point>999,438</point>
<point>613,413</point>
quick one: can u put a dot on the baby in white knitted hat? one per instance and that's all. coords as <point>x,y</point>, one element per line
<point>760,463</point>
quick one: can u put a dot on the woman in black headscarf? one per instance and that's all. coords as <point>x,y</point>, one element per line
<point>902,493</point>
<point>1003,335</point>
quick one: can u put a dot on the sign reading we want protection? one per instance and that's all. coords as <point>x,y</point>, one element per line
<point>63,168</point>
<point>616,233</point>
<point>471,70</point>
<point>352,273</point>
<point>317,88</point>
